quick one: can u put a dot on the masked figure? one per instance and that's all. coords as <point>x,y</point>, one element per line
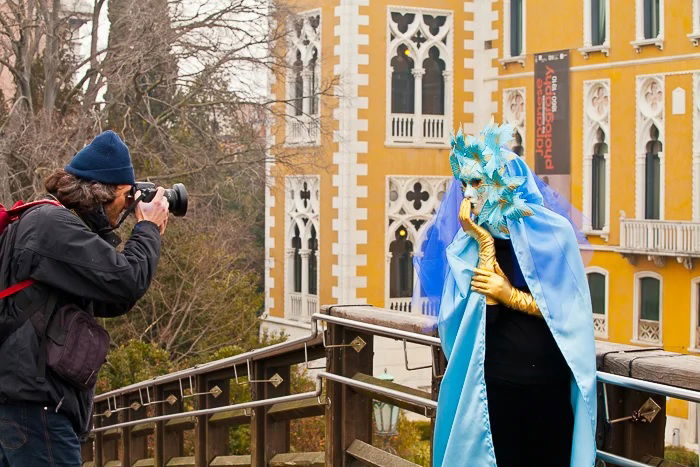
<point>515,316</point>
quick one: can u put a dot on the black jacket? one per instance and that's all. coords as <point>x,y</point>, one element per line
<point>57,249</point>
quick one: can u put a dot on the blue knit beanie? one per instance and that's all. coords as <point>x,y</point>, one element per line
<point>106,160</point>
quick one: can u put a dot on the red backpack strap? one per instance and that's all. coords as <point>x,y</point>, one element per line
<point>20,206</point>
<point>16,288</point>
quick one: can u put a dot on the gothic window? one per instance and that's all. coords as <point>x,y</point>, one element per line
<point>599,183</point>
<point>303,81</point>
<point>313,85</point>
<point>412,201</point>
<point>652,18</point>
<point>298,97</point>
<point>649,163</point>
<point>302,258</point>
<point>434,84</point>
<point>313,264</point>
<point>516,27</point>
<point>296,245</point>
<point>652,199</point>
<point>401,275</point>
<point>402,82</point>
<point>419,76</point>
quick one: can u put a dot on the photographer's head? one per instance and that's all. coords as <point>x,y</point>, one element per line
<point>97,180</point>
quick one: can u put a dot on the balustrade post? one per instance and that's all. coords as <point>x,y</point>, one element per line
<point>135,441</point>
<point>349,416</point>
<point>418,130</point>
<point>267,436</point>
<point>439,367</point>
<point>87,449</point>
<point>110,438</point>
<point>211,440</point>
<point>99,436</point>
<point>167,444</point>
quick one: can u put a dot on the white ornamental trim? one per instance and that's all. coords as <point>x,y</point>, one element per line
<point>348,214</point>
<point>484,86</point>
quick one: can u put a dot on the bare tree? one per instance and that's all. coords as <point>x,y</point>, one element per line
<point>183,82</point>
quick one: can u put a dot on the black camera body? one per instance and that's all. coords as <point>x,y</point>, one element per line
<point>176,196</point>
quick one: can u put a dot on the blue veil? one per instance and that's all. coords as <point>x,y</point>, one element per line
<point>546,247</point>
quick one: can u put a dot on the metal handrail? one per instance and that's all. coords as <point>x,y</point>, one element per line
<point>259,353</point>
<point>421,401</point>
<point>649,386</point>
<point>210,366</point>
<point>618,460</point>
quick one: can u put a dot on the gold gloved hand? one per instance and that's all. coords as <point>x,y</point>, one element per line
<point>495,285</point>
<point>487,249</point>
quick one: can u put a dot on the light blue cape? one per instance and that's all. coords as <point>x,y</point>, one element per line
<point>546,248</point>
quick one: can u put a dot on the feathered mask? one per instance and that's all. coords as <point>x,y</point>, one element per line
<point>484,159</point>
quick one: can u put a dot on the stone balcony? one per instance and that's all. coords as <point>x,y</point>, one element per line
<point>659,240</point>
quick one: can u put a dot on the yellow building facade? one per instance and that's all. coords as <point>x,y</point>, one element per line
<point>372,160</point>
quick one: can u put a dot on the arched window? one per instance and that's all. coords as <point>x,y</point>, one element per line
<point>649,298</point>
<point>298,97</point>
<point>313,265</point>
<point>434,84</point>
<point>296,244</point>
<point>518,144</point>
<point>598,194</point>
<point>652,192</point>
<point>402,82</point>
<point>596,284</point>
<point>649,309</point>
<point>401,267</point>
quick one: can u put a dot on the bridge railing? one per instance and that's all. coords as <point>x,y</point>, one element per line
<point>184,418</point>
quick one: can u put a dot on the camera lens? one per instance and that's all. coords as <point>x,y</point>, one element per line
<point>177,199</point>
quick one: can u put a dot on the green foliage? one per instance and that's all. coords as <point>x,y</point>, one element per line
<point>132,362</point>
<point>412,441</point>
<point>681,456</point>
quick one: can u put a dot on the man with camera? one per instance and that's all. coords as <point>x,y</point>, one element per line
<point>68,250</point>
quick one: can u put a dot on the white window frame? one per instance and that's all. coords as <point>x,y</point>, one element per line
<point>591,124</point>
<point>637,303</point>
<point>588,48</point>
<point>303,130</point>
<point>291,215</point>
<point>640,41</point>
<point>694,36</point>
<point>643,124</point>
<point>606,315</point>
<point>694,324</point>
<point>418,140</point>
<point>507,58</point>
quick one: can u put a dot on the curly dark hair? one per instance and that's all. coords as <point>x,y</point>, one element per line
<point>75,193</point>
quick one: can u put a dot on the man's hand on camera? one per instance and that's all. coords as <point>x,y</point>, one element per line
<point>156,211</point>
